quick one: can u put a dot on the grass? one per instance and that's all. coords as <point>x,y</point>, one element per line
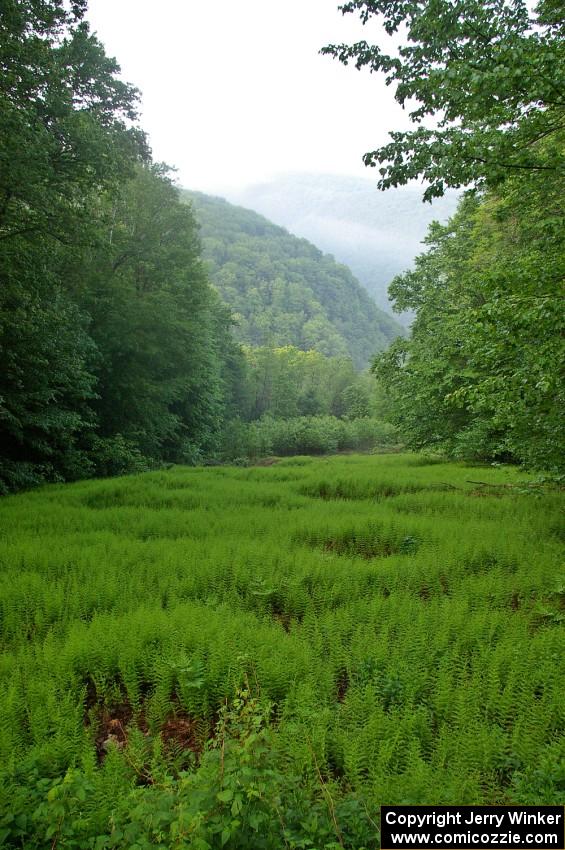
<point>401,617</point>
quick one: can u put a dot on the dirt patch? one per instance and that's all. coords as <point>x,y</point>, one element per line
<point>483,562</point>
<point>367,549</point>
<point>558,531</point>
<point>444,584</point>
<point>284,619</point>
<point>488,493</point>
<point>342,684</point>
<point>112,729</point>
<point>91,696</point>
<point>179,731</point>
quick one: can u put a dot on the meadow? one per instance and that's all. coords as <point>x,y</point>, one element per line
<point>260,656</point>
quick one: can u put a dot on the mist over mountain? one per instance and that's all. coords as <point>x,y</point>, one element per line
<point>376,234</point>
<point>283,290</point>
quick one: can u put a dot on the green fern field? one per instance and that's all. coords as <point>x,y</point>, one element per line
<point>259,657</point>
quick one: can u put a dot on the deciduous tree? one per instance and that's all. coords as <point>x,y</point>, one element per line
<point>484,81</point>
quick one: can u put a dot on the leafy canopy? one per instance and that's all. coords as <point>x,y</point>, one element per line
<point>480,375</point>
<point>114,346</point>
<point>490,75</point>
<point>66,120</point>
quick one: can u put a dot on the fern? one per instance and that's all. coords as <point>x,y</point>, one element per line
<point>404,629</point>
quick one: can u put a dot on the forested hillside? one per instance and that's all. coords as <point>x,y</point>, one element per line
<point>283,290</point>
<point>376,234</point>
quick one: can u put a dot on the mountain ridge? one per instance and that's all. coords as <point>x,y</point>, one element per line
<point>376,234</point>
<point>282,289</point>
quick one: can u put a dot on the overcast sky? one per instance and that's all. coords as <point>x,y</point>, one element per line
<point>235,91</point>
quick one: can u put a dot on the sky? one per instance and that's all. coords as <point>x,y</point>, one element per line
<point>234,92</point>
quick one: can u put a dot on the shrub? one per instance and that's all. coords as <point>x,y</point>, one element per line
<point>305,435</point>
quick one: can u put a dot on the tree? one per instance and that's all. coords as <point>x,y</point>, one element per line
<point>47,382</point>
<point>66,133</point>
<point>489,74</point>
<point>157,324</point>
<point>65,119</point>
<point>485,83</point>
<point>114,347</point>
<point>482,373</point>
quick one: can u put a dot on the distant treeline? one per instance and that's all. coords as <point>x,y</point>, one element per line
<point>300,402</point>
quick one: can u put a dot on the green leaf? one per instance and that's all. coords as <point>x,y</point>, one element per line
<point>225,796</point>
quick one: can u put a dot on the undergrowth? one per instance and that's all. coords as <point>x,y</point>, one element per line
<point>261,656</point>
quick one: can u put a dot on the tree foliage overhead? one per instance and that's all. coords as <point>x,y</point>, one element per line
<point>283,291</point>
<point>489,73</point>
